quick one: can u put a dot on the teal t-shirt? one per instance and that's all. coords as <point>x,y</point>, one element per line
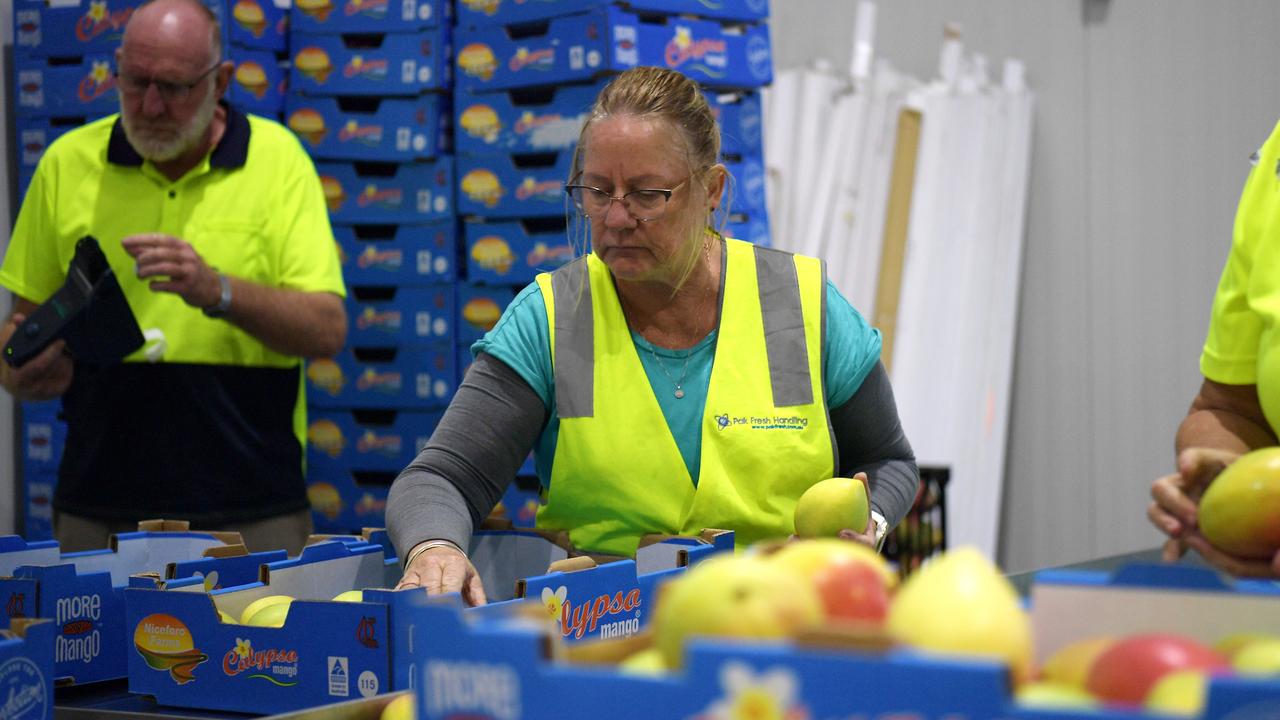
<point>521,340</point>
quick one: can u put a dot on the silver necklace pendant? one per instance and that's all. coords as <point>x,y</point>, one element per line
<point>679,393</point>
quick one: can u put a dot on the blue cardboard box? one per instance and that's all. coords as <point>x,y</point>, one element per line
<point>257,24</point>
<point>548,120</point>
<point>182,654</point>
<point>382,193</point>
<point>367,441</point>
<point>259,83</point>
<point>514,252</point>
<point>82,592</point>
<point>782,679</point>
<point>398,254</point>
<point>382,316</point>
<point>384,64</point>
<point>508,12</point>
<point>754,228</point>
<point>385,129</point>
<point>26,671</point>
<point>85,87</point>
<point>741,120</point>
<point>37,504</point>
<point>44,435</point>
<point>343,499</point>
<point>479,307</point>
<point>311,17</point>
<point>514,186</point>
<point>222,570</point>
<point>386,378</point>
<point>70,29</point>
<point>79,27</point>
<point>748,185</point>
<point>581,47</point>
<point>34,135</point>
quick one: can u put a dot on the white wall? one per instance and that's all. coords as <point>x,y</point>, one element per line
<point>1147,111</point>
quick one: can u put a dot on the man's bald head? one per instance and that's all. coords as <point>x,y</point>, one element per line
<point>179,24</point>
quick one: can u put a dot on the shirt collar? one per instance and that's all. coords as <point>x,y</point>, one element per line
<point>231,152</point>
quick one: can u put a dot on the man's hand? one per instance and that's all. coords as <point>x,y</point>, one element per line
<point>43,377</point>
<point>1175,497</point>
<point>178,266</point>
<point>443,570</point>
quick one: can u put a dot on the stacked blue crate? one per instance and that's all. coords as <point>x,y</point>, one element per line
<point>369,99</point>
<point>44,434</point>
<point>527,75</point>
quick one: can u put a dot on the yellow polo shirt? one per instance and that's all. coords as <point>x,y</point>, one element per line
<point>1243,343</point>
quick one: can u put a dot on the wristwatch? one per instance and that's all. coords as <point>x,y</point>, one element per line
<point>220,308</point>
<point>882,528</point>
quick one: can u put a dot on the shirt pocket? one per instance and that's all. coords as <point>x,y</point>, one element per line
<point>235,247</point>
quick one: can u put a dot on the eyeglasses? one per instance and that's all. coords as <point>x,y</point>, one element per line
<point>644,204</point>
<point>169,91</point>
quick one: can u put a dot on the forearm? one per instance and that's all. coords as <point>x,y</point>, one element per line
<point>290,322</point>
<point>472,456</point>
<point>1222,430</point>
<point>870,439</point>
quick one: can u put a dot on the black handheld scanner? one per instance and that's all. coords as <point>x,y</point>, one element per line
<point>89,311</point>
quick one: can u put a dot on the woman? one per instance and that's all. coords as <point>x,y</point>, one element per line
<point>1238,406</point>
<point>668,381</point>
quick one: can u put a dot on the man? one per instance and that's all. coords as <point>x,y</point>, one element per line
<point>215,225</point>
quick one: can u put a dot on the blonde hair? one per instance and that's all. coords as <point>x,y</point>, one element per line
<point>671,97</point>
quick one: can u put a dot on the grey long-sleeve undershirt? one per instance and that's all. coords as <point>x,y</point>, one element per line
<point>495,418</point>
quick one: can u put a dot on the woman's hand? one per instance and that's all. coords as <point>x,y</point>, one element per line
<point>443,570</point>
<point>1176,497</point>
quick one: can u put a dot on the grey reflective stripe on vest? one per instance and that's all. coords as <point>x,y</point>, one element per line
<point>783,328</point>
<point>575,341</point>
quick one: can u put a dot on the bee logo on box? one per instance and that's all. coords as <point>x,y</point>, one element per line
<point>97,83</point>
<point>98,20</point>
<point>708,55</point>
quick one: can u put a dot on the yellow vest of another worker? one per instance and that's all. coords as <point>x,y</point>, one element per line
<point>617,473</point>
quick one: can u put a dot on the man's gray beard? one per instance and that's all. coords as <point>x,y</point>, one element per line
<point>164,150</point>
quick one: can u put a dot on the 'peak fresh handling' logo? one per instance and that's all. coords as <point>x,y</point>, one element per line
<point>23,690</point>
<point>269,665</point>
<point>165,643</point>
<point>761,422</point>
<point>97,21</point>
<point>604,612</point>
<point>708,55</point>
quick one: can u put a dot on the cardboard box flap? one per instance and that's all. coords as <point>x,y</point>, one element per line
<point>1067,606</point>
<point>345,567</point>
<point>503,558</point>
<point>16,552</point>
